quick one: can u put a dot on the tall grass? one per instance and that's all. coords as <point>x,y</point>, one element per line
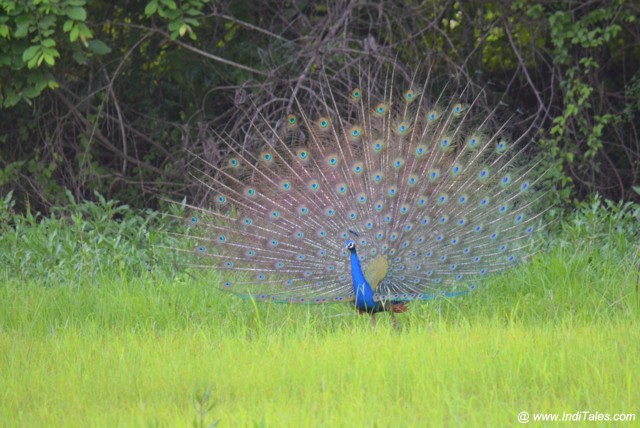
<point>98,327</point>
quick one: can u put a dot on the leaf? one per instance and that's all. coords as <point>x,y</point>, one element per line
<point>24,20</point>
<point>12,98</point>
<point>170,4</point>
<point>183,29</point>
<point>151,8</point>
<point>21,31</point>
<point>34,61</point>
<point>28,54</point>
<point>175,25</point>
<point>51,52</point>
<point>46,23</point>
<point>77,13</point>
<point>31,92</point>
<point>79,57</point>
<point>75,32</point>
<point>68,25</point>
<point>173,14</point>
<point>46,33</point>
<point>99,47</point>
<point>49,59</point>
<point>85,32</point>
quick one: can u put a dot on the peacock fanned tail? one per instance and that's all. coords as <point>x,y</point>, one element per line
<point>432,194</point>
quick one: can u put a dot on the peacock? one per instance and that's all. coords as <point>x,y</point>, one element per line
<point>388,192</point>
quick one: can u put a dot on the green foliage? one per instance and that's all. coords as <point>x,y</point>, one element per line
<point>33,37</point>
<point>181,17</point>
<point>604,225</point>
<point>580,42</point>
<point>98,96</point>
<point>36,33</point>
<point>81,243</point>
<point>6,209</point>
<point>45,150</point>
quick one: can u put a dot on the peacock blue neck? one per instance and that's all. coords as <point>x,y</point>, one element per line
<point>361,288</point>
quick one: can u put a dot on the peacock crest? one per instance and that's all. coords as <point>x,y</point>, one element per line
<point>383,196</point>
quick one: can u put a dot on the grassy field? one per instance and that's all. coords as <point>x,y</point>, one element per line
<point>96,332</point>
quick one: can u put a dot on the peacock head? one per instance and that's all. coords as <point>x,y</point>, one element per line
<point>350,245</point>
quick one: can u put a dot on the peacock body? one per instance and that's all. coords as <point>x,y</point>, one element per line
<point>380,198</point>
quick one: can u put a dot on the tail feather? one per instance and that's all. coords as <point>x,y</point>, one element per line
<point>423,181</point>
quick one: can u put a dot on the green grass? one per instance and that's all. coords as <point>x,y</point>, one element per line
<point>132,342</point>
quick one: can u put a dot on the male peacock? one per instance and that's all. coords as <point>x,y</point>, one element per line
<point>381,198</point>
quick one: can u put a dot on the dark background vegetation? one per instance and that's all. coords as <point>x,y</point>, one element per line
<point>116,97</point>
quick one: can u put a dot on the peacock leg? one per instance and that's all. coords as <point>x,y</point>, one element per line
<point>395,321</point>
